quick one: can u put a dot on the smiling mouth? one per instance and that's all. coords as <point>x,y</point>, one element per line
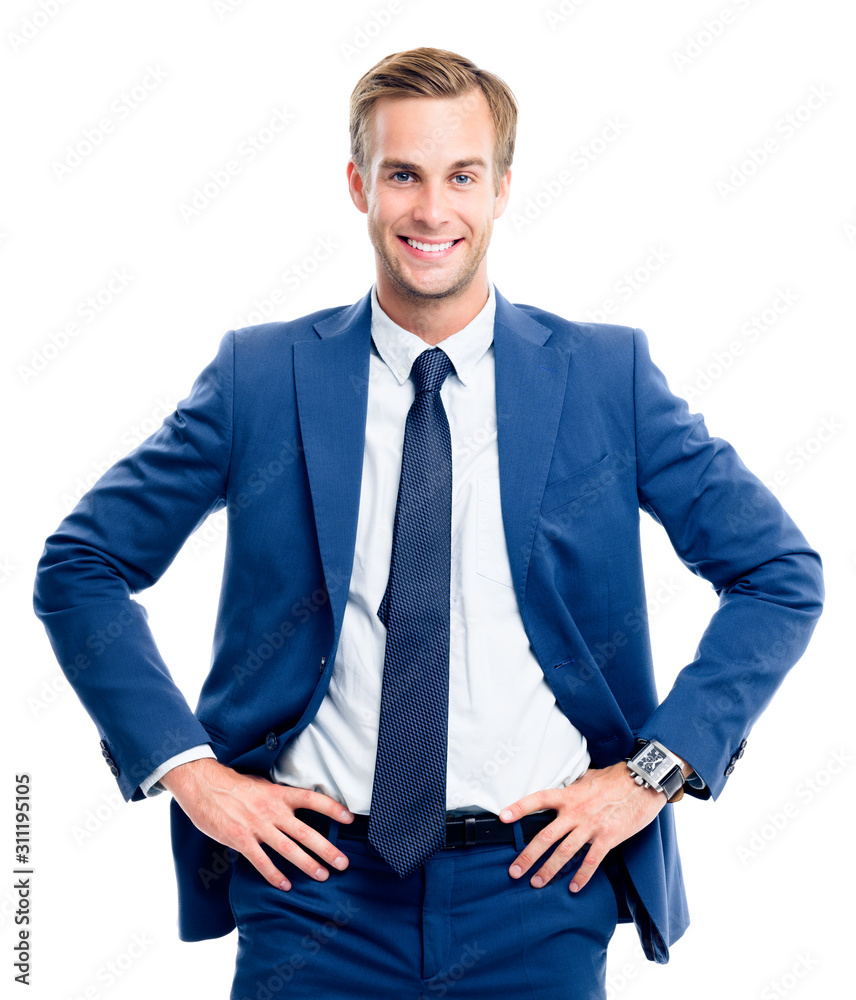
<point>429,247</point>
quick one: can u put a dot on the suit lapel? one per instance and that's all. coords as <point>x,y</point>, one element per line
<point>332,377</point>
<point>530,389</point>
<point>531,382</point>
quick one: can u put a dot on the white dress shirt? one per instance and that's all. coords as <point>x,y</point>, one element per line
<point>506,734</point>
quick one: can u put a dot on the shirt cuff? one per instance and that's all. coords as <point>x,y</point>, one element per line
<point>151,785</point>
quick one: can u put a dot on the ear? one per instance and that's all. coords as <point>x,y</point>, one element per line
<point>502,198</point>
<point>355,187</point>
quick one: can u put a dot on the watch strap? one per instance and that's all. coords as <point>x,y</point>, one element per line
<point>673,783</point>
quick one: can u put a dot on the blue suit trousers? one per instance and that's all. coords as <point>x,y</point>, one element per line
<point>457,927</point>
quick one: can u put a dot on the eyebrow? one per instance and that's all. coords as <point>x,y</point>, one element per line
<point>474,161</point>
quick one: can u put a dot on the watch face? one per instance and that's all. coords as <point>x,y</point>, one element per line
<point>650,759</point>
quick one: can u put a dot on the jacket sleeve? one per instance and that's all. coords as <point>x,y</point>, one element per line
<point>118,540</point>
<point>728,528</point>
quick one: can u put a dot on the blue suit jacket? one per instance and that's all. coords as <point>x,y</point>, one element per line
<point>588,433</point>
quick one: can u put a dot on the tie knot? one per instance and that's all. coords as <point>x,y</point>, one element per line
<point>430,369</point>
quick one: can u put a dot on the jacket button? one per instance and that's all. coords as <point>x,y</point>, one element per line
<point>102,744</point>
<point>739,753</point>
<point>114,769</point>
<point>271,741</point>
<point>743,743</point>
<point>105,753</point>
<point>323,661</point>
<point>728,770</point>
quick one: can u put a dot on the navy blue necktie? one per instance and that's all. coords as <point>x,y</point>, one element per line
<point>407,817</point>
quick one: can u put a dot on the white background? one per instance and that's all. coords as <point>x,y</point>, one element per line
<point>692,99</point>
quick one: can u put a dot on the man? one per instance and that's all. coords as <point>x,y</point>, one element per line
<point>433,564</point>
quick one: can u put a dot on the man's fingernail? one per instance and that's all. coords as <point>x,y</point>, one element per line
<point>340,862</point>
<point>505,814</point>
<point>574,887</point>
<point>345,816</point>
<point>320,873</point>
<point>516,871</point>
<point>537,881</point>
<point>284,885</point>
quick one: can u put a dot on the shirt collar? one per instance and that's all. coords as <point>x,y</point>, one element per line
<point>399,348</point>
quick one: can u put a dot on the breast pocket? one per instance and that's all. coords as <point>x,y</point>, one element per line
<point>491,554</point>
<point>582,484</point>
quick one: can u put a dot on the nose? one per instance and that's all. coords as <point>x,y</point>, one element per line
<point>431,206</point>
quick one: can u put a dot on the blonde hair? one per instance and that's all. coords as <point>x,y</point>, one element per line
<point>428,72</point>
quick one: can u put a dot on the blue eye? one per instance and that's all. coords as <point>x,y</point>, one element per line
<point>463,177</point>
<point>401,174</point>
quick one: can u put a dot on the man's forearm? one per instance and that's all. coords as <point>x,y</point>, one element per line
<point>152,785</point>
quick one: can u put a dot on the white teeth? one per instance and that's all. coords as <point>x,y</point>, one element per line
<point>430,247</point>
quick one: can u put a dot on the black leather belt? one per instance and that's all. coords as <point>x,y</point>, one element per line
<point>461,831</point>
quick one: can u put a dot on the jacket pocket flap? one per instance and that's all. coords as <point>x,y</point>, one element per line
<point>595,477</point>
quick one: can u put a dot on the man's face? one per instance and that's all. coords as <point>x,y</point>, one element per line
<point>429,193</point>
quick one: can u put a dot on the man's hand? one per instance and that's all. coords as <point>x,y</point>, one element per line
<point>602,807</point>
<point>244,811</point>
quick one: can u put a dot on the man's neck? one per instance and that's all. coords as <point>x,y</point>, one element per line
<point>434,319</point>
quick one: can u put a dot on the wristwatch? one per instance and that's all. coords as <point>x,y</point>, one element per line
<point>652,766</point>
